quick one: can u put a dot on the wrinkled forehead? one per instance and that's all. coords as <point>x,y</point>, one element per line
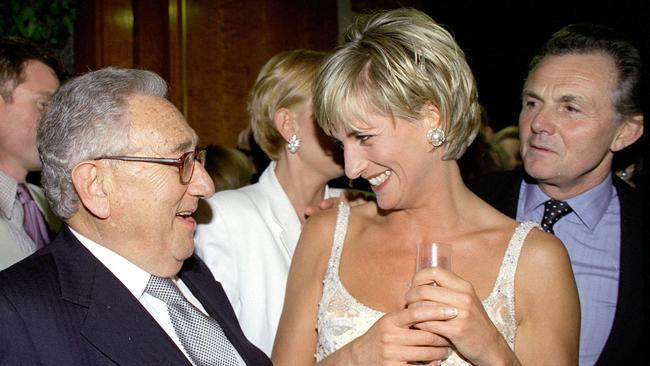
<point>156,125</point>
<point>596,67</point>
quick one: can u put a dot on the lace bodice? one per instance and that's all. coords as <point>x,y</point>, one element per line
<point>341,318</point>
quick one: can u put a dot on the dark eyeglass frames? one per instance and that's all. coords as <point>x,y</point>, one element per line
<point>185,163</point>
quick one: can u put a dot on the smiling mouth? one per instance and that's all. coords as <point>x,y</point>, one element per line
<point>379,179</point>
<point>186,215</point>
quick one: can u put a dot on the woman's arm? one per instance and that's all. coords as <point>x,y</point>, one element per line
<point>547,299</point>
<point>295,341</point>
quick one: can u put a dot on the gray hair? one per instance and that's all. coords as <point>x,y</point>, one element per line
<point>580,39</point>
<point>394,63</point>
<point>85,120</point>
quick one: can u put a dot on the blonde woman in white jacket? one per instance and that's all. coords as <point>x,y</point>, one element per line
<point>253,231</point>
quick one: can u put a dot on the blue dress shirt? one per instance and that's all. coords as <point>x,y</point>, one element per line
<point>592,236</point>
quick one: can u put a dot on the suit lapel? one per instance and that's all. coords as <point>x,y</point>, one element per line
<point>209,292</point>
<point>276,207</point>
<point>115,323</point>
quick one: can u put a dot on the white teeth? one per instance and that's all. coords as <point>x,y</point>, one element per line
<point>381,178</point>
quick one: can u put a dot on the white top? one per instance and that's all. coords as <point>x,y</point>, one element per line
<point>341,318</point>
<point>135,279</point>
<point>248,246</point>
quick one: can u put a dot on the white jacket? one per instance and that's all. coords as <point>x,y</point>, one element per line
<point>248,246</point>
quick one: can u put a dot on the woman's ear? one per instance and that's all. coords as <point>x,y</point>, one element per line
<point>285,123</point>
<point>431,115</point>
<point>628,132</point>
<point>89,184</point>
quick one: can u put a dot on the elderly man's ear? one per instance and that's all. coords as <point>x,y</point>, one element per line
<point>89,183</point>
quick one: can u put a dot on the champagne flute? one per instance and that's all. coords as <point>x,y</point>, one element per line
<point>432,254</point>
<point>429,255</point>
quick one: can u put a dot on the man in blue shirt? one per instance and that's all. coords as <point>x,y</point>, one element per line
<point>580,104</point>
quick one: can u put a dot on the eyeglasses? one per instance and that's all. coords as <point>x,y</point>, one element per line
<point>185,163</point>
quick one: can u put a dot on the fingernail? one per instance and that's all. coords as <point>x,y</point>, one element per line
<point>451,312</point>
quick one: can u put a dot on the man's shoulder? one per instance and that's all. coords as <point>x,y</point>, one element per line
<point>46,266</point>
<point>29,277</point>
<point>496,182</point>
<point>631,201</point>
<point>625,191</point>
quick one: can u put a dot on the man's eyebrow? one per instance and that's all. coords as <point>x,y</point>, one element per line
<point>570,98</point>
<point>530,94</point>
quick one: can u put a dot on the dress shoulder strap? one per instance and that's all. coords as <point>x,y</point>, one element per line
<point>339,237</point>
<point>511,257</point>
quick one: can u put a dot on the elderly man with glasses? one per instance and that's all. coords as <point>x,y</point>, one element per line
<point>120,284</point>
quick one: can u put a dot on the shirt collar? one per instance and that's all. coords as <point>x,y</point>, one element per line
<point>589,207</point>
<point>7,194</point>
<point>133,277</point>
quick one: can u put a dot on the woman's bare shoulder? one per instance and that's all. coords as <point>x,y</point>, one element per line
<point>543,263</point>
<point>319,228</point>
<point>542,249</point>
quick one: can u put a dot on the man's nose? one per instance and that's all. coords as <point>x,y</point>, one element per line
<point>542,122</point>
<point>201,184</point>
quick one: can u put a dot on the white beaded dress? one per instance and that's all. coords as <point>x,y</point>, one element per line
<point>341,318</point>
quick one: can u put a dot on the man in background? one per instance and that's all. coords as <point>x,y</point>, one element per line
<point>581,104</point>
<point>29,75</point>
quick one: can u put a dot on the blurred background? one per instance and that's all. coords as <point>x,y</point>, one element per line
<point>211,50</point>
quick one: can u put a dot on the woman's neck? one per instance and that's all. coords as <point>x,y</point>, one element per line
<point>303,186</point>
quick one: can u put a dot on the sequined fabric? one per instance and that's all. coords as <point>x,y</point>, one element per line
<point>341,318</point>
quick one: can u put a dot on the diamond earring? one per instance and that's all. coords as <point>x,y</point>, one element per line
<point>436,136</point>
<point>294,144</point>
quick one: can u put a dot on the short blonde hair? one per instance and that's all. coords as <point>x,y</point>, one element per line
<point>393,63</point>
<point>285,81</point>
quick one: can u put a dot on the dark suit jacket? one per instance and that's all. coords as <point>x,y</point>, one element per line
<point>627,341</point>
<point>62,306</point>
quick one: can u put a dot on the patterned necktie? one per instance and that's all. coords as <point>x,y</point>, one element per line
<point>33,221</point>
<point>200,335</point>
<point>553,211</point>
